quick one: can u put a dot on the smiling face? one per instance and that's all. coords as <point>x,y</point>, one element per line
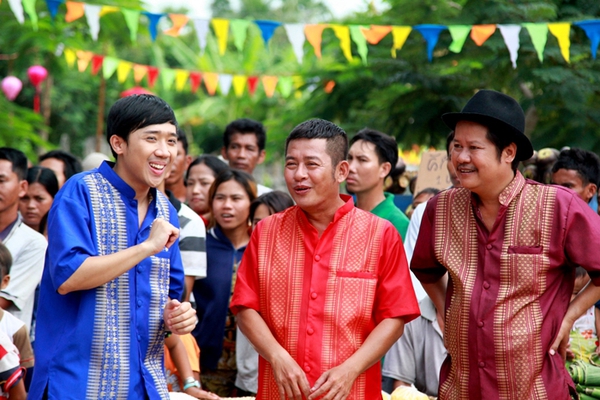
<point>35,204</point>
<point>142,160</point>
<point>366,172</point>
<point>243,152</point>
<point>198,183</point>
<point>311,178</point>
<point>231,206</point>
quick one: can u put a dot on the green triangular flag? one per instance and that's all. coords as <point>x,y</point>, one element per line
<point>459,34</point>
<point>361,42</point>
<point>109,66</point>
<point>539,36</point>
<point>132,19</point>
<point>239,28</point>
<point>286,85</point>
<point>167,77</point>
<point>29,7</point>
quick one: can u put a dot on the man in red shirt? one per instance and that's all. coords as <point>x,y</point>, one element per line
<point>323,289</point>
<point>499,256</point>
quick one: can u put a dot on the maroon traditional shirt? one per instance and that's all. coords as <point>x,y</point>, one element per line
<point>509,288</point>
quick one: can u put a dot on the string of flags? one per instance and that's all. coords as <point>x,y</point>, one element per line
<point>182,79</point>
<point>298,34</point>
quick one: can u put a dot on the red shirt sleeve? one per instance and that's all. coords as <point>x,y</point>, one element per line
<point>246,291</point>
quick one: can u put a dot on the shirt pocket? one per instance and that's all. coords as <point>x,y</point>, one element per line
<point>525,250</point>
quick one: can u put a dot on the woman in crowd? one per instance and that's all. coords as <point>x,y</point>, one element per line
<point>200,175</point>
<point>43,185</point>
<point>246,357</point>
<point>229,198</point>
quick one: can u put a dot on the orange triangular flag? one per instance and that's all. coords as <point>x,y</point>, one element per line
<point>211,80</point>
<point>314,35</point>
<point>376,33</point>
<point>74,11</point>
<point>269,84</point>
<point>83,59</point>
<point>139,71</point>
<point>329,85</point>
<point>179,21</point>
<point>481,33</point>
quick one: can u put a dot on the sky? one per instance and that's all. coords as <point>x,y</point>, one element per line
<point>201,8</point>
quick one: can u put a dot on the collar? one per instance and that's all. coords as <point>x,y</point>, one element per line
<point>106,169</point>
<point>511,191</point>
<point>174,200</point>
<point>10,229</point>
<point>339,213</point>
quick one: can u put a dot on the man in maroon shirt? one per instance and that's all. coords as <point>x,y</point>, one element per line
<point>499,255</point>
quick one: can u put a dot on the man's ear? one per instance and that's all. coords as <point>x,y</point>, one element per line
<point>224,153</point>
<point>384,169</point>
<point>118,144</point>
<point>23,186</point>
<point>261,157</point>
<point>510,152</point>
<point>5,281</point>
<point>341,171</point>
<point>590,190</point>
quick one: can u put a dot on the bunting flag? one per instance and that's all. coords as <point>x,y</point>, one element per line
<point>314,35</point>
<point>539,36</point>
<point>108,9</point>
<point>239,84</point>
<point>181,77</point>
<point>53,7</point>
<point>342,32</point>
<point>109,66</point>
<point>152,75</point>
<point>252,83</point>
<point>17,8</point>
<point>221,27</point>
<point>83,60</point>
<point>202,27</point>
<point>267,29</point>
<point>29,7</point>
<point>74,11</point>
<point>211,81</point>
<point>132,19</point>
<point>376,33</point>
<point>179,21</point>
<point>167,77</point>
<point>92,15</point>
<point>195,80</point>
<point>592,30</point>
<point>361,42</point>
<point>459,34</point>
<point>329,85</point>
<point>123,70</point>
<point>225,81</point>
<point>510,33</point>
<point>139,71</point>
<point>561,31</point>
<point>71,57</point>
<point>152,23</point>
<point>481,33</point>
<point>431,33</point>
<point>239,29</point>
<point>295,34</point>
<point>97,61</point>
<point>400,34</point>
<point>298,82</point>
<point>269,84</point>
<point>286,86</point>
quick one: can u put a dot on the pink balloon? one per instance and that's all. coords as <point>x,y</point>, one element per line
<point>37,74</point>
<point>11,86</point>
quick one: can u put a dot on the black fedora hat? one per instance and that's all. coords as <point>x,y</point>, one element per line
<point>499,112</point>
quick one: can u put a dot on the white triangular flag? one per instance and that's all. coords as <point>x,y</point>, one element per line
<point>202,28</point>
<point>295,33</point>
<point>225,83</point>
<point>510,33</point>
<point>92,14</point>
<point>17,9</point>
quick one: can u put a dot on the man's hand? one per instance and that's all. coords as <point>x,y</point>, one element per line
<point>290,378</point>
<point>562,339</point>
<point>335,384</point>
<point>180,318</point>
<point>162,234</point>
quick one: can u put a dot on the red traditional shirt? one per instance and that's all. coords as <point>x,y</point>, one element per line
<point>509,288</point>
<point>322,297</point>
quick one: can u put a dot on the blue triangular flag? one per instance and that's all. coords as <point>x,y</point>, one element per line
<point>153,20</point>
<point>53,6</point>
<point>592,30</point>
<point>267,29</point>
<point>431,33</point>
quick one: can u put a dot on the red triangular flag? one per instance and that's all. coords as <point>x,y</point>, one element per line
<point>152,75</point>
<point>252,82</point>
<point>97,61</point>
<point>195,78</point>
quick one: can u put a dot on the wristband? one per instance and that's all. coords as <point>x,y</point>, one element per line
<point>189,383</point>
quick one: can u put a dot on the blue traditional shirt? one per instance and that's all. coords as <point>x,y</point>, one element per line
<point>107,342</point>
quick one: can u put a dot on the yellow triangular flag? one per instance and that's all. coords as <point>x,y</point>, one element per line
<point>269,84</point>
<point>221,27</point>
<point>107,10</point>
<point>343,34</point>
<point>181,78</point>
<point>139,71</point>
<point>298,82</point>
<point>400,34</point>
<point>123,70</point>
<point>211,80</point>
<point>239,84</point>
<point>83,59</point>
<point>562,30</point>
<point>70,56</point>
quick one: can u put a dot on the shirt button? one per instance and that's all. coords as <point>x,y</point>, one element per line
<point>139,338</point>
<point>139,268</point>
<point>139,303</point>
<point>313,295</point>
<point>489,247</point>
<point>310,331</point>
<point>486,285</point>
<point>306,368</point>
<point>481,364</point>
<point>318,257</point>
<point>480,324</point>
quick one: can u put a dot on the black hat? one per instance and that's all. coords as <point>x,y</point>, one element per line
<point>499,112</point>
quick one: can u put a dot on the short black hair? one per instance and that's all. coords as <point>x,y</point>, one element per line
<point>275,201</point>
<point>245,126</point>
<point>386,147</point>
<point>5,261</point>
<point>337,140</point>
<point>586,163</point>
<point>501,142</point>
<point>135,112</point>
<point>182,138</point>
<point>18,160</point>
<point>71,163</point>
<point>45,177</point>
<point>213,162</point>
<point>428,190</point>
<point>449,140</point>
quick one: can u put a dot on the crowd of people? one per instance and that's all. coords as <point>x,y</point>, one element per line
<point>158,272</point>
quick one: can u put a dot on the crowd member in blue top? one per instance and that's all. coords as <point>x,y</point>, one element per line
<point>229,197</point>
<point>113,272</point>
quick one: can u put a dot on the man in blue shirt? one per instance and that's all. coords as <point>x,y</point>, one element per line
<point>113,275</point>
